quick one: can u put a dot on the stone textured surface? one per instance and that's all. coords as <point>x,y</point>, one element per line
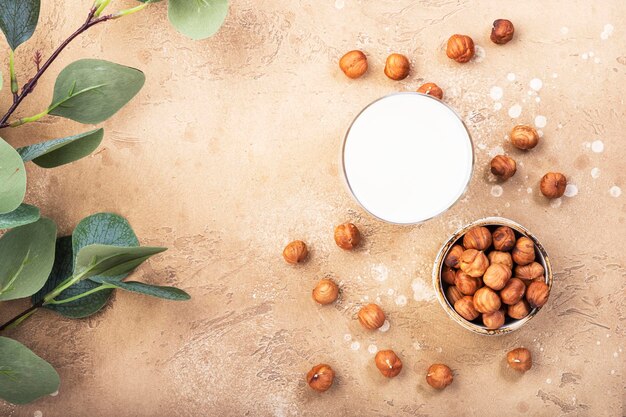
<point>231,150</point>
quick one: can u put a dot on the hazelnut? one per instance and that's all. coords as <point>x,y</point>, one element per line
<point>537,293</point>
<point>460,48</point>
<point>453,256</point>
<point>513,291</point>
<point>478,238</point>
<point>325,292</point>
<point>502,31</point>
<point>388,363</point>
<point>465,308</point>
<point>397,67</point>
<point>518,311</point>
<point>527,282</point>
<point>295,252</point>
<point>524,137</point>
<point>473,262</point>
<point>494,320</point>
<point>503,166</point>
<point>523,251</point>
<point>503,238</point>
<point>486,300</point>
<point>320,377</point>
<point>431,89</point>
<point>520,359</point>
<point>496,276</point>
<point>347,236</point>
<point>371,316</point>
<point>553,184</point>
<point>439,376</point>
<point>453,294</point>
<point>448,275</point>
<point>467,285</point>
<point>531,271</point>
<point>497,257</point>
<point>353,64</point>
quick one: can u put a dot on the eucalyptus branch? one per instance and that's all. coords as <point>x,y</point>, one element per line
<point>22,316</point>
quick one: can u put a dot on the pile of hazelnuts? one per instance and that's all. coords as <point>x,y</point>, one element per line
<point>371,317</point>
<point>492,275</point>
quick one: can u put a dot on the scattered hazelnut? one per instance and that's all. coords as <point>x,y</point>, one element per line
<point>524,137</point>
<point>503,238</point>
<point>537,293</point>
<point>502,31</point>
<point>523,251</point>
<point>494,320</point>
<point>353,64</point>
<point>478,238</point>
<point>347,236</point>
<point>473,262</point>
<point>397,67</point>
<point>497,257</point>
<point>460,48</point>
<point>503,166</point>
<point>496,276</point>
<point>513,291</point>
<point>295,252</point>
<point>371,316</point>
<point>325,292</point>
<point>553,184</point>
<point>439,376</point>
<point>518,311</point>
<point>453,294</point>
<point>531,271</point>
<point>448,275</point>
<point>431,89</point>
<point>466,284</point>
<point>388,363</point>
<point>520,359</point>
<point>320,377</point>
<point>465,308</point>
<point>486,300</point>
<point>453,256</point>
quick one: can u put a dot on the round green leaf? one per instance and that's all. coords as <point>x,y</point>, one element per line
<point>18,20</point>
<point>92,90</point>
<point>22,215</point>
<point>12,178</point>
<point>27,254</point>
<point>24,376</point>
<point>197,19</point>
<point>57,152</point>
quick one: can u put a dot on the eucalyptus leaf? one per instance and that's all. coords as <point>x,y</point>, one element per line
<point>197,19</point>
<point>57,152</point>
<point>168,293</point>
<point>27,254</point>
<point>111,261</point>
<point>1,80</point>
<point>24,376</point>
<point>18,20</point>
<point>22,215</point>
<point>92,90</point>
<point>12,178</point>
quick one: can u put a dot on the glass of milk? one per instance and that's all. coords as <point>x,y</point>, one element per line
<point>407,157</point>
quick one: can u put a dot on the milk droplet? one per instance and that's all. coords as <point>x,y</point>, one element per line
<point>570,190</point>
<point>540,121</point>
<point>608,31</point>
<point>401,300</point>
<point>372,349</point>
<point>591,54</point>
<point>597,60</point>
<point>529,190</point>
<point>510,76</point>
<point>515,111</point>
<point>536,84</point>
<point>339,4</point>
<point>390,291</point>
<point>548,381</point>
<point>554,75</point>
<point>537,99</point>
<point>496,191</point>
<point>585,56</point>
<point>380,272</point>
<point>564,30</point>
<point>385,326</point>
<point>37,414</point>
<point>497,106</point>
<point>597,146</point>
<point>595,172</point>
<point>479,53</point>
<point>556,203</point>
<point>615,191</point>
<point>355,345</point>
<point>347,337</point>
<point>496,92</point>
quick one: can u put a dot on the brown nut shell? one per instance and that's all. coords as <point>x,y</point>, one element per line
<point>497,257</point>
<point>531,271</point>
<point>460,48</point>
<point>347,236</point>
<point>295,252</point>
<point>439,376</point>
<point>325,292</point>
<point>388,363</point>
<point>448,275</point>
<point>518,311</point>
<point>320,377</point>
<point>513,291</point>
<point>503,166</point>
<point>496,276</point>
<point>466,284</point>
<point>353,64</point>
<point>453,294</point>
<point>523,251</point>
<point>524,137</point>
<point>537,293</point>
<point>503,238</point>
<point>520,359</point>
<point>553,185</point>
<point>453,256</point>
<point>431,89</point>
<point>494,320</point>
<point>371,316</point>
<point>397,67</point>
<point>473,262</point>
<point>478,238</point>
<point>465,308</point>
<point>502,31</point>
<point>486,300</point>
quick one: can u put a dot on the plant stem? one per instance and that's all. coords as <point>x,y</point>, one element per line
<point>14,86</point>
<point>79,296</point>
<point>22,316</point>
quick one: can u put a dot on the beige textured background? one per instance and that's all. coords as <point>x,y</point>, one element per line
<point>231,150</point>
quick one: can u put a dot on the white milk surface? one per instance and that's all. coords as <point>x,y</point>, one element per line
<point>407,158</point>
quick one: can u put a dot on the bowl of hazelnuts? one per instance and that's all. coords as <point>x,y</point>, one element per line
<point>492,276</point>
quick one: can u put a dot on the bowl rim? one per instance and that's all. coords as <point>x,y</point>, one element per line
<point>438,265</point>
